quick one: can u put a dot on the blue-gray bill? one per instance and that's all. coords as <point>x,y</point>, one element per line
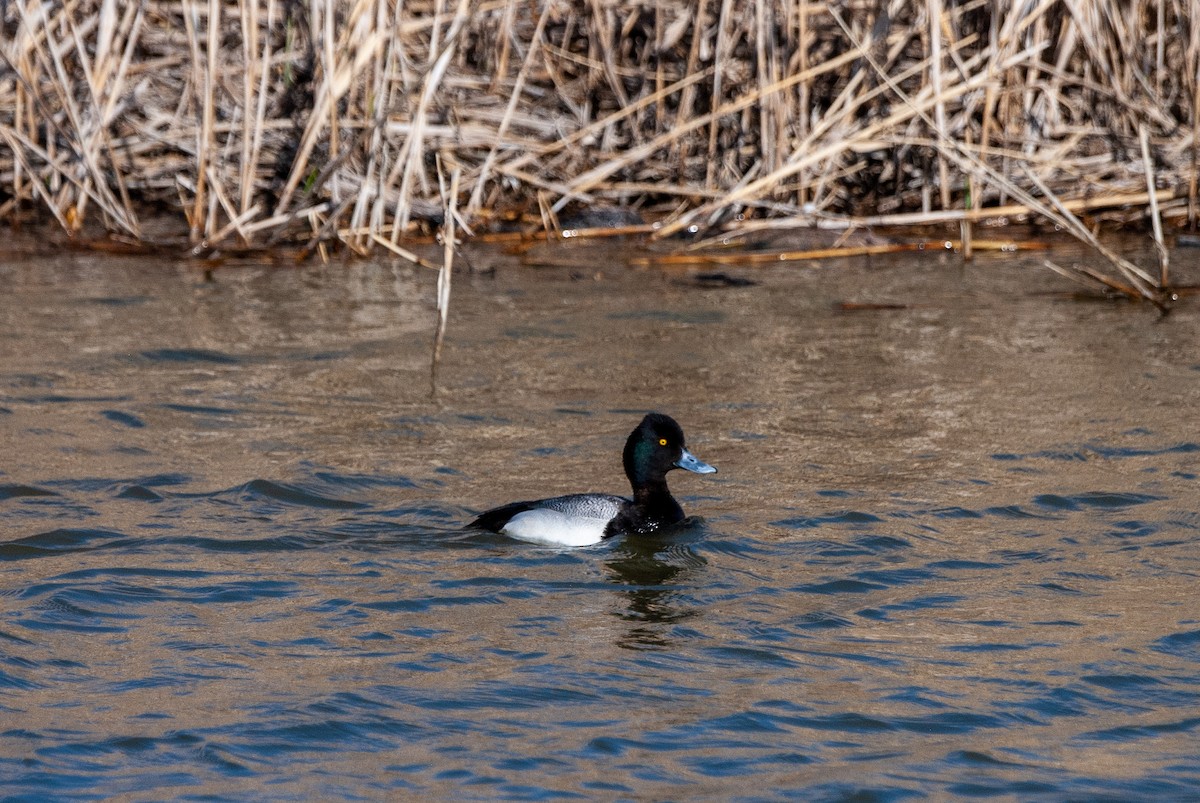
<point>689,461</point>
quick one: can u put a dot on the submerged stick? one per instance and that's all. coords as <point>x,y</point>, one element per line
<point>1143,285</point>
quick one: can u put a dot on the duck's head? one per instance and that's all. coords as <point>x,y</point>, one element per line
<point>655,448</point>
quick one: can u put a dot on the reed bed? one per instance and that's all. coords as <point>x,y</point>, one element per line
<point>256,123</point>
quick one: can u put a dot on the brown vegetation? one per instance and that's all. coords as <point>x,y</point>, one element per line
<point>342,121</point>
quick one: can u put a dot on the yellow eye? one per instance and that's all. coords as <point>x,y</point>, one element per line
<point>662,441</point>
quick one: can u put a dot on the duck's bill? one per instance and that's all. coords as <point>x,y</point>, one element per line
<point>689,461</point>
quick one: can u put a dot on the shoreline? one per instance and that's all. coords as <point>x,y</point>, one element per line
<point>338,125</point>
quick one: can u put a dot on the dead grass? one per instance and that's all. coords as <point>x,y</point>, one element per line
<point>259,122</point>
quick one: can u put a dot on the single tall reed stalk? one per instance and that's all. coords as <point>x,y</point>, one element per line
<point>260,121</point>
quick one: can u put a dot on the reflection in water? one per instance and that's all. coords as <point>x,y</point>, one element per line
<point>656,567</point>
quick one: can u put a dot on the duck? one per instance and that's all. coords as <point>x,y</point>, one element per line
<point>654,448</point>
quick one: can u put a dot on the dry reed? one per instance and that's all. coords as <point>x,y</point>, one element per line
<point>259,122</point>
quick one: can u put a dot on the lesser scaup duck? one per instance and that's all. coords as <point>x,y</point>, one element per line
<point>653,449</point>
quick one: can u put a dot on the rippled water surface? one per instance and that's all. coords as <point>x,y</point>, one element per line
<point>952,549</point>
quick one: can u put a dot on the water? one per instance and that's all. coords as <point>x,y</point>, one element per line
<point>952,549</point>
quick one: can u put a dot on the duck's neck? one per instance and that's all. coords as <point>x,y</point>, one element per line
<point>655,499</point>
<point>650,489</point>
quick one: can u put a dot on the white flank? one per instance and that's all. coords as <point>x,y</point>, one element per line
<point>544,526</point>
